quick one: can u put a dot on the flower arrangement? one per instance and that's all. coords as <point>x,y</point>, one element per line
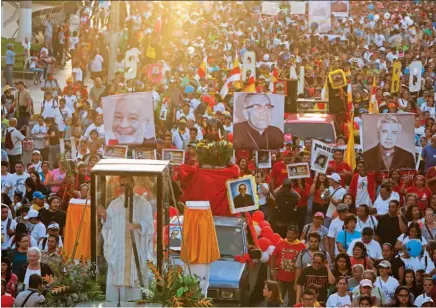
<point>174,289</point>
<point>215,154</point>
<point>74,283</point>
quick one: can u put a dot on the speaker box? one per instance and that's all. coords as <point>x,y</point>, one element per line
<point>291,98</point>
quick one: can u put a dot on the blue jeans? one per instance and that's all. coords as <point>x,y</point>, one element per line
<point>36,69</point>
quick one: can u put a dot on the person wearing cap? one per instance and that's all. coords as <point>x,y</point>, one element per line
<point>36,160</point>
<point>336,226</point>
<point>337,165</point>
<point>386,282</point>
<point>386,155</point>
<point>180,136</point>
<point>365,288</point>
<point>38,229</point>
<point>256,132</point>
<point>335,196</point>
<point>318,227</point>
<point>53,229</point>
<point>38,200</point>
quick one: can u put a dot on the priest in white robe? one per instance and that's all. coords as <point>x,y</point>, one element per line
<point>122,276</point>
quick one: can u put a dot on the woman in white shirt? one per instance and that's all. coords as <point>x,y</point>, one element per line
<point>96,65</point>
<point>340,298</point>
<point>413,233</point>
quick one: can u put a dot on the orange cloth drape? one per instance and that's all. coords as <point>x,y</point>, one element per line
<point>200,243</point>
<point>74,215</point>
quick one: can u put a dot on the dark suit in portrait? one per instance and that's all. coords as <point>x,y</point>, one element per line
<point>401,159</point>
<point>247,138</point>
<point>243,201</point>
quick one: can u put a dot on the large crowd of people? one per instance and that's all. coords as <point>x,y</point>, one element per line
<point>356,257</point>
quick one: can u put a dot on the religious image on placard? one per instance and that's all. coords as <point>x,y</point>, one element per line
<point>258,121</point>
<point>129,118</point>
<point>263,159</point>
<point>115,151</point>
<point>242,194</point>
<point>298,170</point>
<point>388,142</point>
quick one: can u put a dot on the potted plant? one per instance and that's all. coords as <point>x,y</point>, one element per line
<point>215,154</point>
<point>174,289</point>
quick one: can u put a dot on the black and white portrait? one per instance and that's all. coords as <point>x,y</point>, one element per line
<point>263,159</point>
<point>129,118</point>
<point>298,170</point>
<point>144,154</point>
<point>258,122</point>
<point>242,194</point>
<point>388,142</point>
<point>320,161</point>
<point>176,157</point>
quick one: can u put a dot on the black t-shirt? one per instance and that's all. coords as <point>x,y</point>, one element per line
<point>396,264</point>
<point>317,277</point>
<point>54,140</point>
<point>388,229</point>
<point>59,216</point>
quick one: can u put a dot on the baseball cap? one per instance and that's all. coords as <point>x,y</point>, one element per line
<point>335,177</point>
<point>384,264</point>
<point>319,214</point>
<point>342,207</point>
<point>182,120</point>
<point>366,283</point>
<point>53,225</point>
<point>38,194</point>
<point>36,152</point>
<point>31,214</point>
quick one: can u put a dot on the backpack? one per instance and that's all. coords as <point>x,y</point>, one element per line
<point>8,140</point>
<point>286,207</point>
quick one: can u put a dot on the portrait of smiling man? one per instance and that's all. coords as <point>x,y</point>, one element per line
<point>257,131</point>
<point>132,118</point>
<point>387,154</point>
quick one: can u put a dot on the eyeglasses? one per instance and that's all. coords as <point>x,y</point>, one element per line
<point>260,107</point>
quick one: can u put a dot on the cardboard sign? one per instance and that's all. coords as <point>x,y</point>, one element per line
<point>337,79</point>
<point>396,71</point>
<point>249,66</point>
<point>415,76</point>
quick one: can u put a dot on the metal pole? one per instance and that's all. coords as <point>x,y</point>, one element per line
<point>115,34</point>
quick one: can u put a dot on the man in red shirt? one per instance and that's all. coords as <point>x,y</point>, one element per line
<point>283,263</point>
<point>430,176</point>
<point>279,172</point>
<point>337,165</point>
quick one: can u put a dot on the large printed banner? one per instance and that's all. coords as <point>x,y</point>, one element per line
<point>298,7</point>
<point>388,142</point>
<point>129,118</point>
<point>258,121</point>
<point>340,8</point>
<point>320,16</point>
<point>270,8</point>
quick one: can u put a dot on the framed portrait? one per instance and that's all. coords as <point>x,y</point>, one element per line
<point>316,144</point>
<point>254,112</point>
<point>337,79</point>
<point>68,148</point>
<point>298,171</point>
<point>281,87</point>
<point>211,85</point>
<point>176,157</point>
<point>129,118</point>
<point>320,161</point>
<point>115,151</point>
<point>263,159</point>
<point>389,141</point>
<point>242,194</point>
<point>144,154</point>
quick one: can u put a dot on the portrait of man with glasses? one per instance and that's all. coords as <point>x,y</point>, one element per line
<point>257,132</point>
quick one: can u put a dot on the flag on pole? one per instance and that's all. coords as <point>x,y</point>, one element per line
<point>235,75</point>
<point>325,91</point>
<point>202,70</point>
<point>350,106</point>
<point>373,105</point>
<point>350,154</point>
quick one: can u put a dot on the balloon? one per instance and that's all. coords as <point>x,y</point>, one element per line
<point>264,243</point>
<point>258,216</point>
<point>266,232</point>
<point>258,230</point>
<point>371,7</point>
<point>371,16</point>
<point>276,238</point>
<point>413,247</point>
<point>265,257</point>
<point>264,224</point>
<point>270,249</point>
<point>173,211</point>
